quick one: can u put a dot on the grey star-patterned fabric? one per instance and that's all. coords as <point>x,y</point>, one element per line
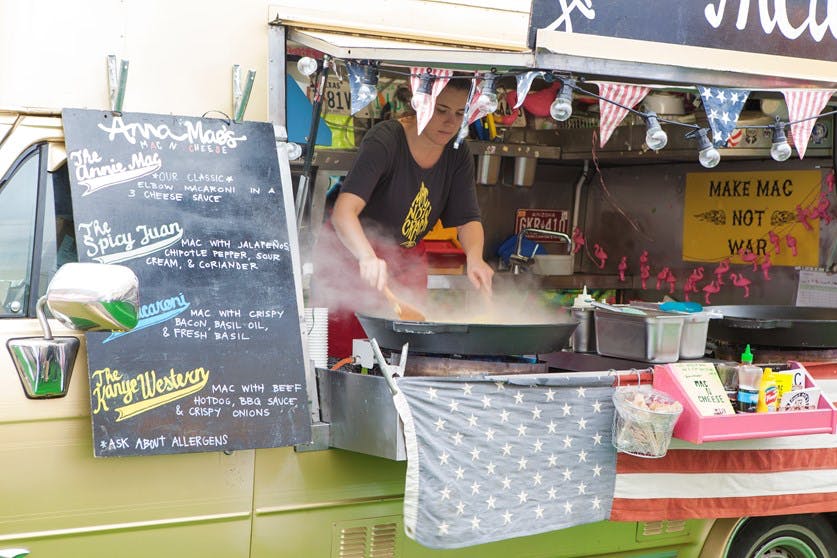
<point>491,458</point>
<point>722,106</point>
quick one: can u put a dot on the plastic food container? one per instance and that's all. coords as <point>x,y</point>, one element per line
<point>644,421</point>
<point>654,337</point>
<point>695,329</point>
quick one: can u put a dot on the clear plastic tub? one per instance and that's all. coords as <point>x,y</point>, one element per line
<point>644,421</point>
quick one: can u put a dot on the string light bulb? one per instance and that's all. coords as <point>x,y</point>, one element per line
<point>708,155</point>
<point>780,150</point>
<point>306,66</point>
<point>487,100</point>
<point>423,91</point>
<point>368,89</point>
<point>562,107</point>
<point>655,136</point>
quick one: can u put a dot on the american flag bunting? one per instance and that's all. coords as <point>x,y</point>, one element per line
<point>804,104</point>
<point>611,115</point>
<point>722,106</point>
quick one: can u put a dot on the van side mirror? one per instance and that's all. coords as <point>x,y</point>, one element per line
<point>84,297</point>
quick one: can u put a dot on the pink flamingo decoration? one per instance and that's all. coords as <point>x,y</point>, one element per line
<point>697,275</point>
<point>748,256</point>
<point>722,268</point>
<point>775,241</point>
<point>822,209</point>
<point>802,217</point>
<point>578,240</point>
<point>601,254</point>
<point>644,274</point>
<point>622,267</point>
<point>739,280</point>
<point>791,241</point>
<point>710,289</point>
<point>643,258</point>
<point>672,282</point>
<point>830,181</point>
<point>689,287</point>
<point>661,276</point>
<point>766,264</point>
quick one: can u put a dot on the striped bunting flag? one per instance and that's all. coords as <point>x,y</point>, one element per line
<point>802,104</point>
<point>610,115</point>
<point>766,476</point>
<point>424,108</point>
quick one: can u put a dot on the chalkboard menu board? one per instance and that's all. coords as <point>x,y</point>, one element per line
<point>195,207</point>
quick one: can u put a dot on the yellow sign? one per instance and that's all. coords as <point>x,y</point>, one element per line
<point>755,214</point>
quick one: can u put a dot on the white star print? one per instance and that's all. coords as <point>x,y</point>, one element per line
<point>582,392</point>
<point>460,473</point>
<point>454,405</point>
<point>472,421</point>
<point>475,523</point>
<point>568,475</point>
<point>552,492</point>
<point>490,502</point>
<point>475,488</point>
<point>443,459</point>
<point>504,416</point>
<point>521,430</point>
<point>443,528</point>
<point>507,517</point>
<point>721,95</point>
<point>518,398</point>
<point>489,434</point>
<point>475,454</point>
<point>460,508</point>
<point>539,512</point>
<point>725,118</point>
<point>538,445</point>
<point>713,114</point>
<point>467,389</point>
<point>582,488</point>
<point>567,409</point>
<point>597,470</point>
<point>537,478</point>
<point>536,413</point>
<point>507,449</point>
<point>486,402</point>
<point>597,439</point>
<point>521,463</point>
<point>500,386</point>
<point>551,426</point>
<point>490,467</point>
<point>582,456</point>
<point>457,438</point>
<point>445,493</point>
<point>550,395</point>
<point>568,442</point>
<point>553,460</point>
<point>440,424</point>
<point>706,93</point>
<point>597,406</point>
<point>597,503</point>
<point>733,97</point>
<point>568,507</point>
<point>506,483</point>
<point>432,393</point>
<point>522,497</point>
<point>582,423</point>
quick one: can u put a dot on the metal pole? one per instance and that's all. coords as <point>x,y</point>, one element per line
<point>316,109</point>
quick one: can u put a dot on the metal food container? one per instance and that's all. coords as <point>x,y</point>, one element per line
<point>654,337</point>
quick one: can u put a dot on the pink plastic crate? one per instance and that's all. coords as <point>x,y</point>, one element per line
<point>693,427</point>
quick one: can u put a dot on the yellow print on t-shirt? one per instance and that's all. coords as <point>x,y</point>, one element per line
<point>416,221</point>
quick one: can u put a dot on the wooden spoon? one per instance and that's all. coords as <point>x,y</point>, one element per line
<point>404,310</point>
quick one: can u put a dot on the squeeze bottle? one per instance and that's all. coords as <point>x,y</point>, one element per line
<point>749,380</point>
<point>768,392</point>
<point>584,336</point>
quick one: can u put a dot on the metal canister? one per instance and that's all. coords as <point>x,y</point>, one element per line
<point>584,336</point>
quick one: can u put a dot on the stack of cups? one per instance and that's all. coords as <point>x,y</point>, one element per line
<point>316,326</point>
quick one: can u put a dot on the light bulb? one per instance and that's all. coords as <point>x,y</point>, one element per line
<point>294,150</point>
<point>562,107</point>
<point>780,150</point>
<point>708,156</point>
<point>306,66</point>
<point>655,136</point>
<point>487,101</point>
<point>422,94</point>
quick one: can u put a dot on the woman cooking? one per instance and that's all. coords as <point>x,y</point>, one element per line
<point>402,182</point>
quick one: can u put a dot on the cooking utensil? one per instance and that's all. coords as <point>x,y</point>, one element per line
<point>469,338</point>
<point>404,310</point>
<point>620,309</point>
<point>775,326</point>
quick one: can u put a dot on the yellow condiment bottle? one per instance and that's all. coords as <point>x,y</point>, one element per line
<point>768,392</point>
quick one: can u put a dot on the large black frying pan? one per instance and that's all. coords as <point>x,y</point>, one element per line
<point>775,326</point>
<point>468,339</point>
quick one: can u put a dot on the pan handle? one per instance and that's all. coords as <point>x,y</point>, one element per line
<point>745,323</point>
<point>423,328</point>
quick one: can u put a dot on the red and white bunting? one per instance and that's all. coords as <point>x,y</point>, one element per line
<point>611,115</point>
<point>424,109</point>
<point>802,104</point>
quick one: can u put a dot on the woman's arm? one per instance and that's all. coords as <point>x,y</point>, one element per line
<point>472,238</point>
<point>346,223</point>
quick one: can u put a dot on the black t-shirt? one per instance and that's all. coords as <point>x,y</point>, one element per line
<point>403,200</point>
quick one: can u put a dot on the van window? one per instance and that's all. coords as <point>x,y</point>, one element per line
<point>18,204</point>
<point>59,241</point>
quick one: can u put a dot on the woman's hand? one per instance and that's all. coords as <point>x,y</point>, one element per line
<point>373,270</point>
<point>480,274</point>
